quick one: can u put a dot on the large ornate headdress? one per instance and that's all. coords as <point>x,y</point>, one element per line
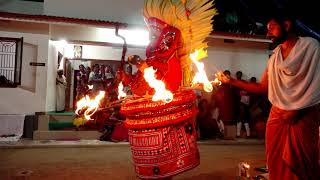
<point>192,17</point>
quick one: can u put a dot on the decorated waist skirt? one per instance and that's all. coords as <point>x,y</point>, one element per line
<point>163,135</point>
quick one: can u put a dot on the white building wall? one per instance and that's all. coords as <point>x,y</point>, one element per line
<point>103,52</point>
<point>51,77</point>
<point>22,101</point>
<point>28,75</point>
<point>248,57</point>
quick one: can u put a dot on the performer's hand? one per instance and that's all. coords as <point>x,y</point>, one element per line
<point>223,78</point>
<point>198,86</point>
<point>142,66</point>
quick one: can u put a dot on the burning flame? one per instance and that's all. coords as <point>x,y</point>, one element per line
<point>216,80</point>
<point>121,93</point>
<point>158,85</point>
<point>90,86</point>
<point>91,105</point>
<point>246,165</point>
<point>200,76</point>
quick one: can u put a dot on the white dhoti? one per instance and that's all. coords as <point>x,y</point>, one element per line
<point>61,93</point>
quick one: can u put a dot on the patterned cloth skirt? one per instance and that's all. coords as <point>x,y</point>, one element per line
<point>163,135</point>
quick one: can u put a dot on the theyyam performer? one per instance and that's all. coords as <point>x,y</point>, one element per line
<point>162,131</point>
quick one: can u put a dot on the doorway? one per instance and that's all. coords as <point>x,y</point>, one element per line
<point>72,69</point>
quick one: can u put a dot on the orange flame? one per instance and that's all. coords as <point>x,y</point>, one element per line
<point>216,80</point>
<point>121,93</point>
<point>91,105</point>
<point>161,92</point>
<point>246,165</point>
<point>200,76</point>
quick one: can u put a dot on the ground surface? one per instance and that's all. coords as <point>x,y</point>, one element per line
<point>218,162</point>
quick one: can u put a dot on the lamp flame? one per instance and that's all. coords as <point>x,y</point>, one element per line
<point>121,93</point>
<point>161,93</point>
<point>91,105</point>
<point>200,76</point>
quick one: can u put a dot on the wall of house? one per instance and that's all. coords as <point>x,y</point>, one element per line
<point>248,57</point>
<point>103,52</point>
<point>21,100</point>
<point>28,75</point>
<point>89,52</point>
<point>51,77</point>
<point>136,36</point>
<point>109,10</point>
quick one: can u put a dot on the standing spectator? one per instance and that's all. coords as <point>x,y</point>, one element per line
<point>243,112</point>
<point>96,80</point>
<point>103,71</point>
<point>61,85</point>
<point>109,72</point>
<point>82,80</point>
<point>223,100</point>
<point>88,71</point>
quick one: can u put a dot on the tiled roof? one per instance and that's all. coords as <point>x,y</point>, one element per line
<point>59,19</point>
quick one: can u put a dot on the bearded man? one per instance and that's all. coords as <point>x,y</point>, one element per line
<point>291,81</point>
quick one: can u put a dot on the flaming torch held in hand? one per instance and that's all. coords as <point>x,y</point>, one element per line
<point>217,80</point>
<point>161,93</point>
<point>121,93</point>
<point>200,76</point>
<point>88,105</point>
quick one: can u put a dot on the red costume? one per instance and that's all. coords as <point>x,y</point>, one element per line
<point>162,56</point>
<point>163,135</point>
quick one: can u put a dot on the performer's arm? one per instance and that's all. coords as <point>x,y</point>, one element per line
<point>259,88</point>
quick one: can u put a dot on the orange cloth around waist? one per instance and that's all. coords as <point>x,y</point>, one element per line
<point>292,144</point>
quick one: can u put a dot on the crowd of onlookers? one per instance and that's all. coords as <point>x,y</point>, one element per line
<point>101,78</point>
<point>229,106</point>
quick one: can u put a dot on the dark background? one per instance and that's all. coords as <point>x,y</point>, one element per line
<point>250,16</point>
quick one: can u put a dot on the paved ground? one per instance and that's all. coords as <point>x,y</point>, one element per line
<point>113,161</point>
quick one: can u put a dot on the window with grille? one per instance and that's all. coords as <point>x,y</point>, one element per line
<point>10,61</point>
